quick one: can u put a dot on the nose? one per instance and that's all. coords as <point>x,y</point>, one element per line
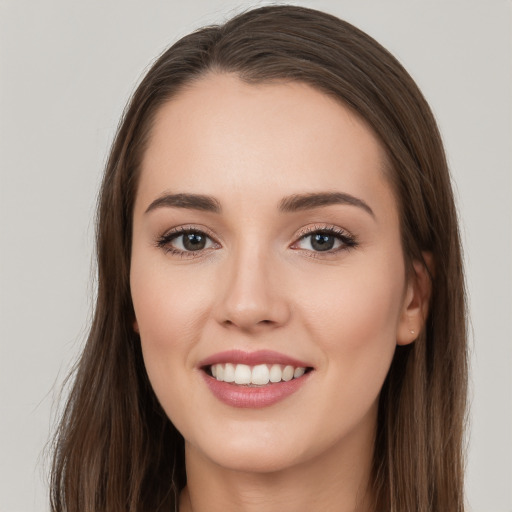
<point>253,296</point>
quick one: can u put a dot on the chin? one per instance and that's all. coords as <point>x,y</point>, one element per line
<point>247,452</point>
<point>253,459</point>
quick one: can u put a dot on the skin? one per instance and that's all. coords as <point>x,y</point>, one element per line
<point>259,284</point>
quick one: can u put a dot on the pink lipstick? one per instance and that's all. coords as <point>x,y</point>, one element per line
<point>253,379</point>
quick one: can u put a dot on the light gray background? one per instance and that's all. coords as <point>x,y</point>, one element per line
<point>67,69</point>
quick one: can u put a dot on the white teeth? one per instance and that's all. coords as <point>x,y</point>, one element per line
<point>259,375</point>
<point>242,374</point>
<point>276,373</point>
<point>299,372</point>
<point>288,373</point>
<point>229,373</point>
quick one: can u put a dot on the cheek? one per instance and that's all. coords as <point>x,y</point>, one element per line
<point>170,315</point>
<point>353,319</point>
<point>353,315</point>
<point>168,309</point>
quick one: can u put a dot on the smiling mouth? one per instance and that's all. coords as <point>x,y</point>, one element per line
<point>254,380</point>
<point>255,376</point>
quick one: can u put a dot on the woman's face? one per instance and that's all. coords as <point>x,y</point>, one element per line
<point>266,244</point>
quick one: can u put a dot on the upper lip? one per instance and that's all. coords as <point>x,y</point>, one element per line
<point>252,358</point>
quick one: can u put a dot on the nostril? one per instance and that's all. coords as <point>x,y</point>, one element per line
<point>229,323</point>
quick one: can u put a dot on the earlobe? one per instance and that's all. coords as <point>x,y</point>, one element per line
<point>416,301</point>
<point>136,326</point>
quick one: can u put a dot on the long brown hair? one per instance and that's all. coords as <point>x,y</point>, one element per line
<point>115,449</point>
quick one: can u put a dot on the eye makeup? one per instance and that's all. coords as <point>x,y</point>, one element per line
<point>193,242</point>
<point>186,242</point>
<point>327,239</point>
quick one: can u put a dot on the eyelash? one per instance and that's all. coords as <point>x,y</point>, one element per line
<point>347,240</point>
<point>164,241</point>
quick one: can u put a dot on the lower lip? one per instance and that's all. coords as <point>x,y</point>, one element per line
<point>253,397</point>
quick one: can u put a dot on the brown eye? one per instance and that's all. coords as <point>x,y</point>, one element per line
<point>185,241</point>
<point>193,241</point>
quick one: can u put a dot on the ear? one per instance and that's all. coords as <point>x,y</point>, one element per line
<point>136,326</point>
<point>416,301</point>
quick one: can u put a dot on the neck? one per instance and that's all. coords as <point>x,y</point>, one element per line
<point>335,481</point>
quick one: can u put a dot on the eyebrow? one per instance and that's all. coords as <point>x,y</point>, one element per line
<point>289,204</point>
<point>315,200</point>
<point>190,201</point>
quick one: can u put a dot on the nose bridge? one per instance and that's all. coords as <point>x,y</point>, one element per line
<point>253,295</point>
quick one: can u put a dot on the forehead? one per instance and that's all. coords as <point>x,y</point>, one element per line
<point>221,135</point>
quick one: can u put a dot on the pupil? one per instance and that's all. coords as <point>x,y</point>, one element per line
<point>193,242</point>
<point>322,242</point>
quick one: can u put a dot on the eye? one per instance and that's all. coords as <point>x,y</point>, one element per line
<point>325,239</point>
<point>185,241</point>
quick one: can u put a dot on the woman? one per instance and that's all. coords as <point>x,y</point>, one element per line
<point>280,321</point>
